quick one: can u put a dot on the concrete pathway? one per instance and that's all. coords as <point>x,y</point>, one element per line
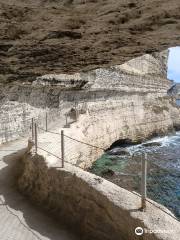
<point>19,219</point>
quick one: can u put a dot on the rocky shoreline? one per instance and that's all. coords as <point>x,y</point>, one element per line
<point>122,166</point>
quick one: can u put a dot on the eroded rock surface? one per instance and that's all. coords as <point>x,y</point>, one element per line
<point>40,37</point>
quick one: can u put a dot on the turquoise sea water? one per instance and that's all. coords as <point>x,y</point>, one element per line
<point>163,179</point>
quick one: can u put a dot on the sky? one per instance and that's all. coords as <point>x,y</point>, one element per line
<point>174,64</point>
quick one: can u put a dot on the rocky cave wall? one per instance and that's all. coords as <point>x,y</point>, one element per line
<point>39,37</point>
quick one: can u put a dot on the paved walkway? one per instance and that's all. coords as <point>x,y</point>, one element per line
<point>19,220</point>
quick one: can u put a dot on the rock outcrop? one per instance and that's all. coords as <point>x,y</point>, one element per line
<point>43,37</point>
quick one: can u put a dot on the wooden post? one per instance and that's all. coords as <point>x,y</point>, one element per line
<point>62,147</point>
<point>143,182</point>
<point>46,121</point>
<point>32,126</point>
<point>35,132</point>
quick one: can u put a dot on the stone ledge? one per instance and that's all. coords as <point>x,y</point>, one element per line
<point>98,209</point>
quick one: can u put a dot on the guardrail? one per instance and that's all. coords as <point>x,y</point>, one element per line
<point>67,155</point>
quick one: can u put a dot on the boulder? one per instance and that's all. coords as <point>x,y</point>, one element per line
<point>119,152</point>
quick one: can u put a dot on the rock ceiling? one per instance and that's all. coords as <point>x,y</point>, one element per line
<point>40,36</point>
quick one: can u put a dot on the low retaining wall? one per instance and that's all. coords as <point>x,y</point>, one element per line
<point>98,209</point>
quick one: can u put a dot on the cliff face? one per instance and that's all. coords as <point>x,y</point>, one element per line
<point>67,36</point>
<point>132,116</point>
<point>154,64</point>
<point>122,101</point>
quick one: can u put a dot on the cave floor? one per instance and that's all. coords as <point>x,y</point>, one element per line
<point>19,219</point>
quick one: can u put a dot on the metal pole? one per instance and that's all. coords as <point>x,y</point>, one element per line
<point>76,112</point>
<point>76,115</point>
<point>35,131</point>
<point>66,120</point>
<point>32,126</point>
<point>62,147</point>
<point>46,122</point>
<point>143,182</point>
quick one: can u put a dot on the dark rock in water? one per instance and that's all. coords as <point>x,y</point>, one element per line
<point>118,152</point>
<point>124,143</point>
<point>108,173</point>
<point>152,144</point>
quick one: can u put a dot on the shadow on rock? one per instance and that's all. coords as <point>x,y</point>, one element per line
<point>35,219</point>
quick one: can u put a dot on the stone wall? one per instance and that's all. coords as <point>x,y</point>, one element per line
<point>94,207</point>
<point>117,78</point>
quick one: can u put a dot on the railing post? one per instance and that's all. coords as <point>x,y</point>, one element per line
<point>46,122</point>
<point>35,132</point>
<point>66,120</point>
<point>76,112</point>
<point>32,126</point>
<point>76,115</point>
<point>62,147</point>
<point>143,182</point>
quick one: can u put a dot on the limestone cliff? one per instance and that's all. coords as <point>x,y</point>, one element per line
<point>149,64</point>
<point>122,101</point>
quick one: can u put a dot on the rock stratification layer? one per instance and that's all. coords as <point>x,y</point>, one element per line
<point>39,37</point>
